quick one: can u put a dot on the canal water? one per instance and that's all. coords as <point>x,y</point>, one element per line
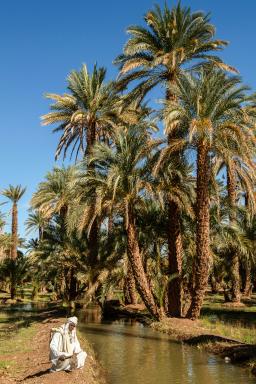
<point>131,353</point>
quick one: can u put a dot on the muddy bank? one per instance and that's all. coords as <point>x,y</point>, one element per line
<point>29,363</point>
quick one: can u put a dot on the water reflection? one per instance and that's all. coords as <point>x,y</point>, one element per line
<point>92,314</point>
<point>132,353</point>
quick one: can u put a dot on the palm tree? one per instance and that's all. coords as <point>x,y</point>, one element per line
<point>239,177</point>
<point>53,195</point>
<point>36,221</point>
<point>174,184</point>
<point>172,38</point>
<point>84,115</point>
<point>157,54</point>
<point>119,182</point>
<point>209,109</point>
<point>14,194</point>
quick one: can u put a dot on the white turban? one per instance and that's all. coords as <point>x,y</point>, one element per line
<point>72,320</point>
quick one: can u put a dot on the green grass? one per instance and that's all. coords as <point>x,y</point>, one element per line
<point>238,331</point>
<point>234,322</point>
<point>25,294</point>
<point>18,342</point>
<point>7,364</point>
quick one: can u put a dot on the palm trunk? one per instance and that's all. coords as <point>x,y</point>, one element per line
<point>130,296</point>
<point>234,267</point>
<point>174,236</point>
<point>235,278</point>
<point>110,224</point>
<point>202,232</point>
<point>248,281</point>
<point>140,277</point>
<point>14,231</point>
<point>14,247</point>
<point>13,290</point>
<point>93,237</point>
<point>40,233</point>
<point>72,285</point>
<point>214,284</point>
<point>175,260</point>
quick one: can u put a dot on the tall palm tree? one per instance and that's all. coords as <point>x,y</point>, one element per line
<point>14,193</point>
<point>157,54</point>
<point>84,115</point>
<point>209,109</point>
<point>119,182</point>
<point>174,184</point>
<point>239,176</point>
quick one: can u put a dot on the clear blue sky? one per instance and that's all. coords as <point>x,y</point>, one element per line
<point>42,41</point>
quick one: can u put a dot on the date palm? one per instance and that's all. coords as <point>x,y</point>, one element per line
<point>239,178</point>
<point>157,55</point>
<point>14,193</point>
<point>86,113</point>
<point>208,107</point>
<point>175,188</point>
<point>53,195</point>
<point>119,183</point>
<point>36,221</point>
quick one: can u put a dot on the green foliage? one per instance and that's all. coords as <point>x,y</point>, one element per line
<point>172,38</point>
<point>14,193</point>
<point>124,168</point>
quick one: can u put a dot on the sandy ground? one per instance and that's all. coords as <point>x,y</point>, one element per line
<point>33,367</point>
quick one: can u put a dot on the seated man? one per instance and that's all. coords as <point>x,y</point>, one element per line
<point>65,351</point>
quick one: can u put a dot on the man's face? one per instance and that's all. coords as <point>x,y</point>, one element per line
<point>71,326</point>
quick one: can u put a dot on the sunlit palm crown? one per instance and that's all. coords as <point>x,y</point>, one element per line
<point>211,109</point>
<point>91,102</point>
<point>53,194</point>
<point>35,221</point>
<point>172,38</point>
<point>209,106</point>
<point>14,193</point>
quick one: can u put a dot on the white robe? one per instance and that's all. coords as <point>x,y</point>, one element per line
<point>57,349</point>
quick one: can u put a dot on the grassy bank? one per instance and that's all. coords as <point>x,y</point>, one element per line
<point>234,331</point>
<point>230,320</point>
<point>224,328</point>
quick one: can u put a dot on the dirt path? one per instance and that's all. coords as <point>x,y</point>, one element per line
<point>32,365</point>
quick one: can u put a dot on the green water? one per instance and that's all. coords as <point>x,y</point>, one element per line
<point>133,354</point>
